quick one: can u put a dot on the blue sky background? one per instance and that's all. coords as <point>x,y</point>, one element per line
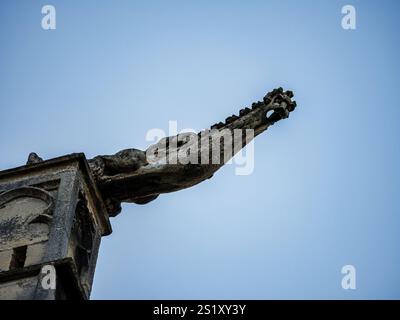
<point>325,189</point>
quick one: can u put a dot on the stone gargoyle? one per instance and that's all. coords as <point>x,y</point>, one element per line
<point>133,175</point>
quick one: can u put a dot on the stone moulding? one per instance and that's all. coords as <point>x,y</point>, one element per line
<point>31,192</point>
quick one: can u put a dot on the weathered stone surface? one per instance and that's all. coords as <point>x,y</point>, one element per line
<point>128,176</point>
<point>5,259</point>
<point>35,253</point>
<point>19,289</point>
<point>49,211</point>
<point>25,214</point>
<point>55,212</point>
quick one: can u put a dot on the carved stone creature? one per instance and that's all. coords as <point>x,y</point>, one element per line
<point>130,176</point>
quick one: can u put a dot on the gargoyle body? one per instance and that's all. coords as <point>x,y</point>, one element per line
<point>182,161</point>
<point>137,176</point>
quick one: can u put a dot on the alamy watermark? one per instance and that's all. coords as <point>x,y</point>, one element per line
<point>349,280</point>
<point>209,147</point>
<point>49,19</point>
<point>48,281</point>
<point>349,18</point>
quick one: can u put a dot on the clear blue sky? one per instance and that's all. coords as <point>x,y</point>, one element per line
<point>325,189</point>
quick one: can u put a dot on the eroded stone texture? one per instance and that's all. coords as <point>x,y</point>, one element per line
<point>128,176</point>
<point>55,212</point>
<point>20,224</point>
<point>51,213</point>
<point>19,289</point>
